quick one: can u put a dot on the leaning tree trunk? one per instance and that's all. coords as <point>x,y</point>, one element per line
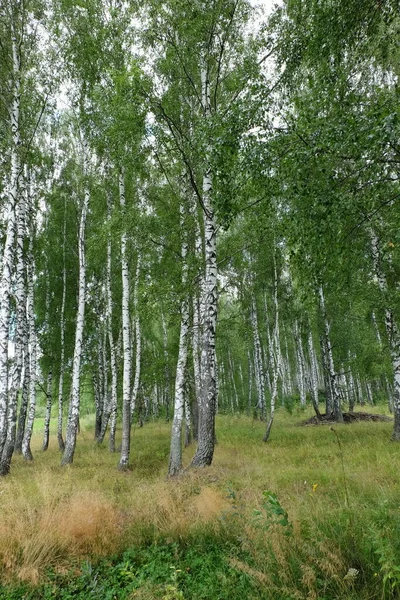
<point>175,456</point>
<point>392,333</point>
<point>73,413</point>
<point>8,248</point>
<point>126,339</point>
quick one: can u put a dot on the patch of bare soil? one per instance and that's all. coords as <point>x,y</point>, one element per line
<point>348,417</point>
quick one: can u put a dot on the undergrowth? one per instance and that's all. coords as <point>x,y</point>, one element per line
<point>313,514</point>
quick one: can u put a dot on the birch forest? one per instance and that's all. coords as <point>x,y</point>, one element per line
<point>200,252</point>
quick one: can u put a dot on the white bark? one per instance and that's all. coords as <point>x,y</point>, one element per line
<point>198,311</point>
<point>61,445</point>
<point>175,457</point>
<point>337,410</point>
<point>167,378</point>
<point>276,357</point>
<point>110,406</point>
<point>251,375</point>
<point>49,398</point>
<point>26,442</point>
<point>73,414</point>
<point>138,338</point>
<point>8,249</point>
<point>20,340</point>
<point>301,372</point>
<point>126,339</point>
<point>258,362</point>
<point>208,400</point>
<point>313,374</point>
<point>235,398</point>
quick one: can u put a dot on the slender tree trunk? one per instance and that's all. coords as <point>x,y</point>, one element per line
<point>258,363</point>
<point>25,393</point>
<point>313,375</point>
<point>138,338</point>
<point>198,313</point>
<point>110,406</point>
<point>8,248</point>
<point>208,399</point>
<point>175,456</point>
<point>26,442</point>
<point>20,342</point>
<point>235,404</point>
<point>250,398</point>
<point>73,413</point>
<point>301,372</point>
<point>276,357</point>
<point>167,377</point>
<point>337,409</point>
<point>126,337</point>
<point>61,445</point>
<point>49,396</point>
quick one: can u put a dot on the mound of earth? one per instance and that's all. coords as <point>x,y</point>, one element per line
<point>348,417</point>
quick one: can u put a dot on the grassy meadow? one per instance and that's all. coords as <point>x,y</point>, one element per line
<point>312,514</point>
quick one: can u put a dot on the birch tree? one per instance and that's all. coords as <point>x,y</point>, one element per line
<point>73,411</point>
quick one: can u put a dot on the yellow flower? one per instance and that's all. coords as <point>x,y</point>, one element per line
<point>314,487</point>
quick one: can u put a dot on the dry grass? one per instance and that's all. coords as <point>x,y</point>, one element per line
<point>55,517</point>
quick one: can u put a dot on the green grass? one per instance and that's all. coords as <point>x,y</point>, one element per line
<point>89,531</point>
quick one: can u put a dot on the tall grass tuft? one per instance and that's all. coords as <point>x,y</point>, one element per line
<point>312,515</point>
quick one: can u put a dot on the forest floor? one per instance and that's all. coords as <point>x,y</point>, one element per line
<point>312,514</point>
<point>348,417</point>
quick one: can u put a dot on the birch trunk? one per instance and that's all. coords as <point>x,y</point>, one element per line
<point>198,311</point>
<point>113,415</point>
<point>337,409</point>
<point>26,442</point>
<point>235,405</point>
<point>392,333</point>
<point>100,381</point>
<point>175,456</point>
<point>138,338</point>
<point>250,397</point>
<point>47,418</point>
<point>25,393</point>
<point>208,393</point>
<point>73,413</point>
<point>110,407</point>
<point>8,249</point>
<point>313,375</point>
<point>258,363</point>
<point>61,445</point>
<point>351,386</point>
<point>126,340</point>
<point>301,373</point>
<point>166,390</point>
<point>276,357</point>
<point>20,342</point>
